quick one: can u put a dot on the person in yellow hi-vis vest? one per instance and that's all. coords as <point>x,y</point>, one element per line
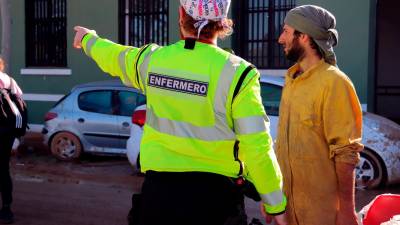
<point>320,123</point>
<point>202,103</point>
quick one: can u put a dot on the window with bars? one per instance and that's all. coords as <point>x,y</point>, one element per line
<point>258,24</point>
<point>143,21</point>
<point>45,36</point>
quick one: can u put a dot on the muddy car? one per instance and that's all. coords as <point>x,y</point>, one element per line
<point>380,159</point>
<point>94,118</point>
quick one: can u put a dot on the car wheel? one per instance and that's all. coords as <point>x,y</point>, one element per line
<point>66,146</point>
<point>369,171</point>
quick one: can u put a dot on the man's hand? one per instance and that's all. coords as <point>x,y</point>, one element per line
<point>278,219</point>
<point>80,33</point>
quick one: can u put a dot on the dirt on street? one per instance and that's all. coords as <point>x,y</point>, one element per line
<point>95,190</point>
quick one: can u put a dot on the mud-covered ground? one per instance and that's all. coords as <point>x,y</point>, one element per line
<point>93,191</point>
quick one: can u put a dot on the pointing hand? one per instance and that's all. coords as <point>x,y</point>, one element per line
<point>80,33</point>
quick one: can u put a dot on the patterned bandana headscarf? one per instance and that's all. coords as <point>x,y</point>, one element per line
<point>319,24</point>
<point>204,10</point>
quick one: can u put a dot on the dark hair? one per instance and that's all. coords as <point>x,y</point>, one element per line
<point>313,44</point>
<point>222,28</point>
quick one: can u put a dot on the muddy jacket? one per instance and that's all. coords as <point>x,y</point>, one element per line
<point>320,122</point>
<point>192,120</point>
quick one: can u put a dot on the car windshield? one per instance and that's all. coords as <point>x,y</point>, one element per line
<point>271,97</point>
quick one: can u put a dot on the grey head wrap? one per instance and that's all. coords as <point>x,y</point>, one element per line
<point>319,24</point>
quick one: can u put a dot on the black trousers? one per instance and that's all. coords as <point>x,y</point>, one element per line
<point>190,198</point>
<point>6,143</point>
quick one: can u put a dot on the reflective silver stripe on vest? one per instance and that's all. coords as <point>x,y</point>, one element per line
<point>187,130</point>
<point>122,66</point>
<point>89,45</point>
<point>249,125</point>
<point>145,65</point>
<point>224,83</point>
<point>273,198</point>
<point>222,92</point>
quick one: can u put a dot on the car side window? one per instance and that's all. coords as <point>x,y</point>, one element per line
<point>96,101</point>
<point>271,98</point>
<point>128,101</point>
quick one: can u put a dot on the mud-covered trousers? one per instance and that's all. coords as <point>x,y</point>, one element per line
<point>190,198</point>
<point>6,143</point>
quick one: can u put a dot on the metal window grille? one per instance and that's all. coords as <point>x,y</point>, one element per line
<point>46,29</point>
<point>143,21</point>
<point>258,24</point>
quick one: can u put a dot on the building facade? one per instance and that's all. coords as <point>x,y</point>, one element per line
<point>46,65</point>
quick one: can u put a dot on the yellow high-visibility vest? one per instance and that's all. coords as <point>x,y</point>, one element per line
<point>192,120</point>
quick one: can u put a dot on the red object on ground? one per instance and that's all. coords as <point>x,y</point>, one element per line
<point>382,209</point>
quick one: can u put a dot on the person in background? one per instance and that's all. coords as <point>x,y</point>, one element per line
<point>201,100</point>
<point>6,142</point>
<point>320,122</point>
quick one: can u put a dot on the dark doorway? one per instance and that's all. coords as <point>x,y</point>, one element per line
<point>387,83</point>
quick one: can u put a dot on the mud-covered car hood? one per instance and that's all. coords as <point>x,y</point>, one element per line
<point>383,127</point>
<point>383,136</point>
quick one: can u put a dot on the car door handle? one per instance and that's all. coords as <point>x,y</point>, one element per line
<point>125,124</point>
<point>81,120</point>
